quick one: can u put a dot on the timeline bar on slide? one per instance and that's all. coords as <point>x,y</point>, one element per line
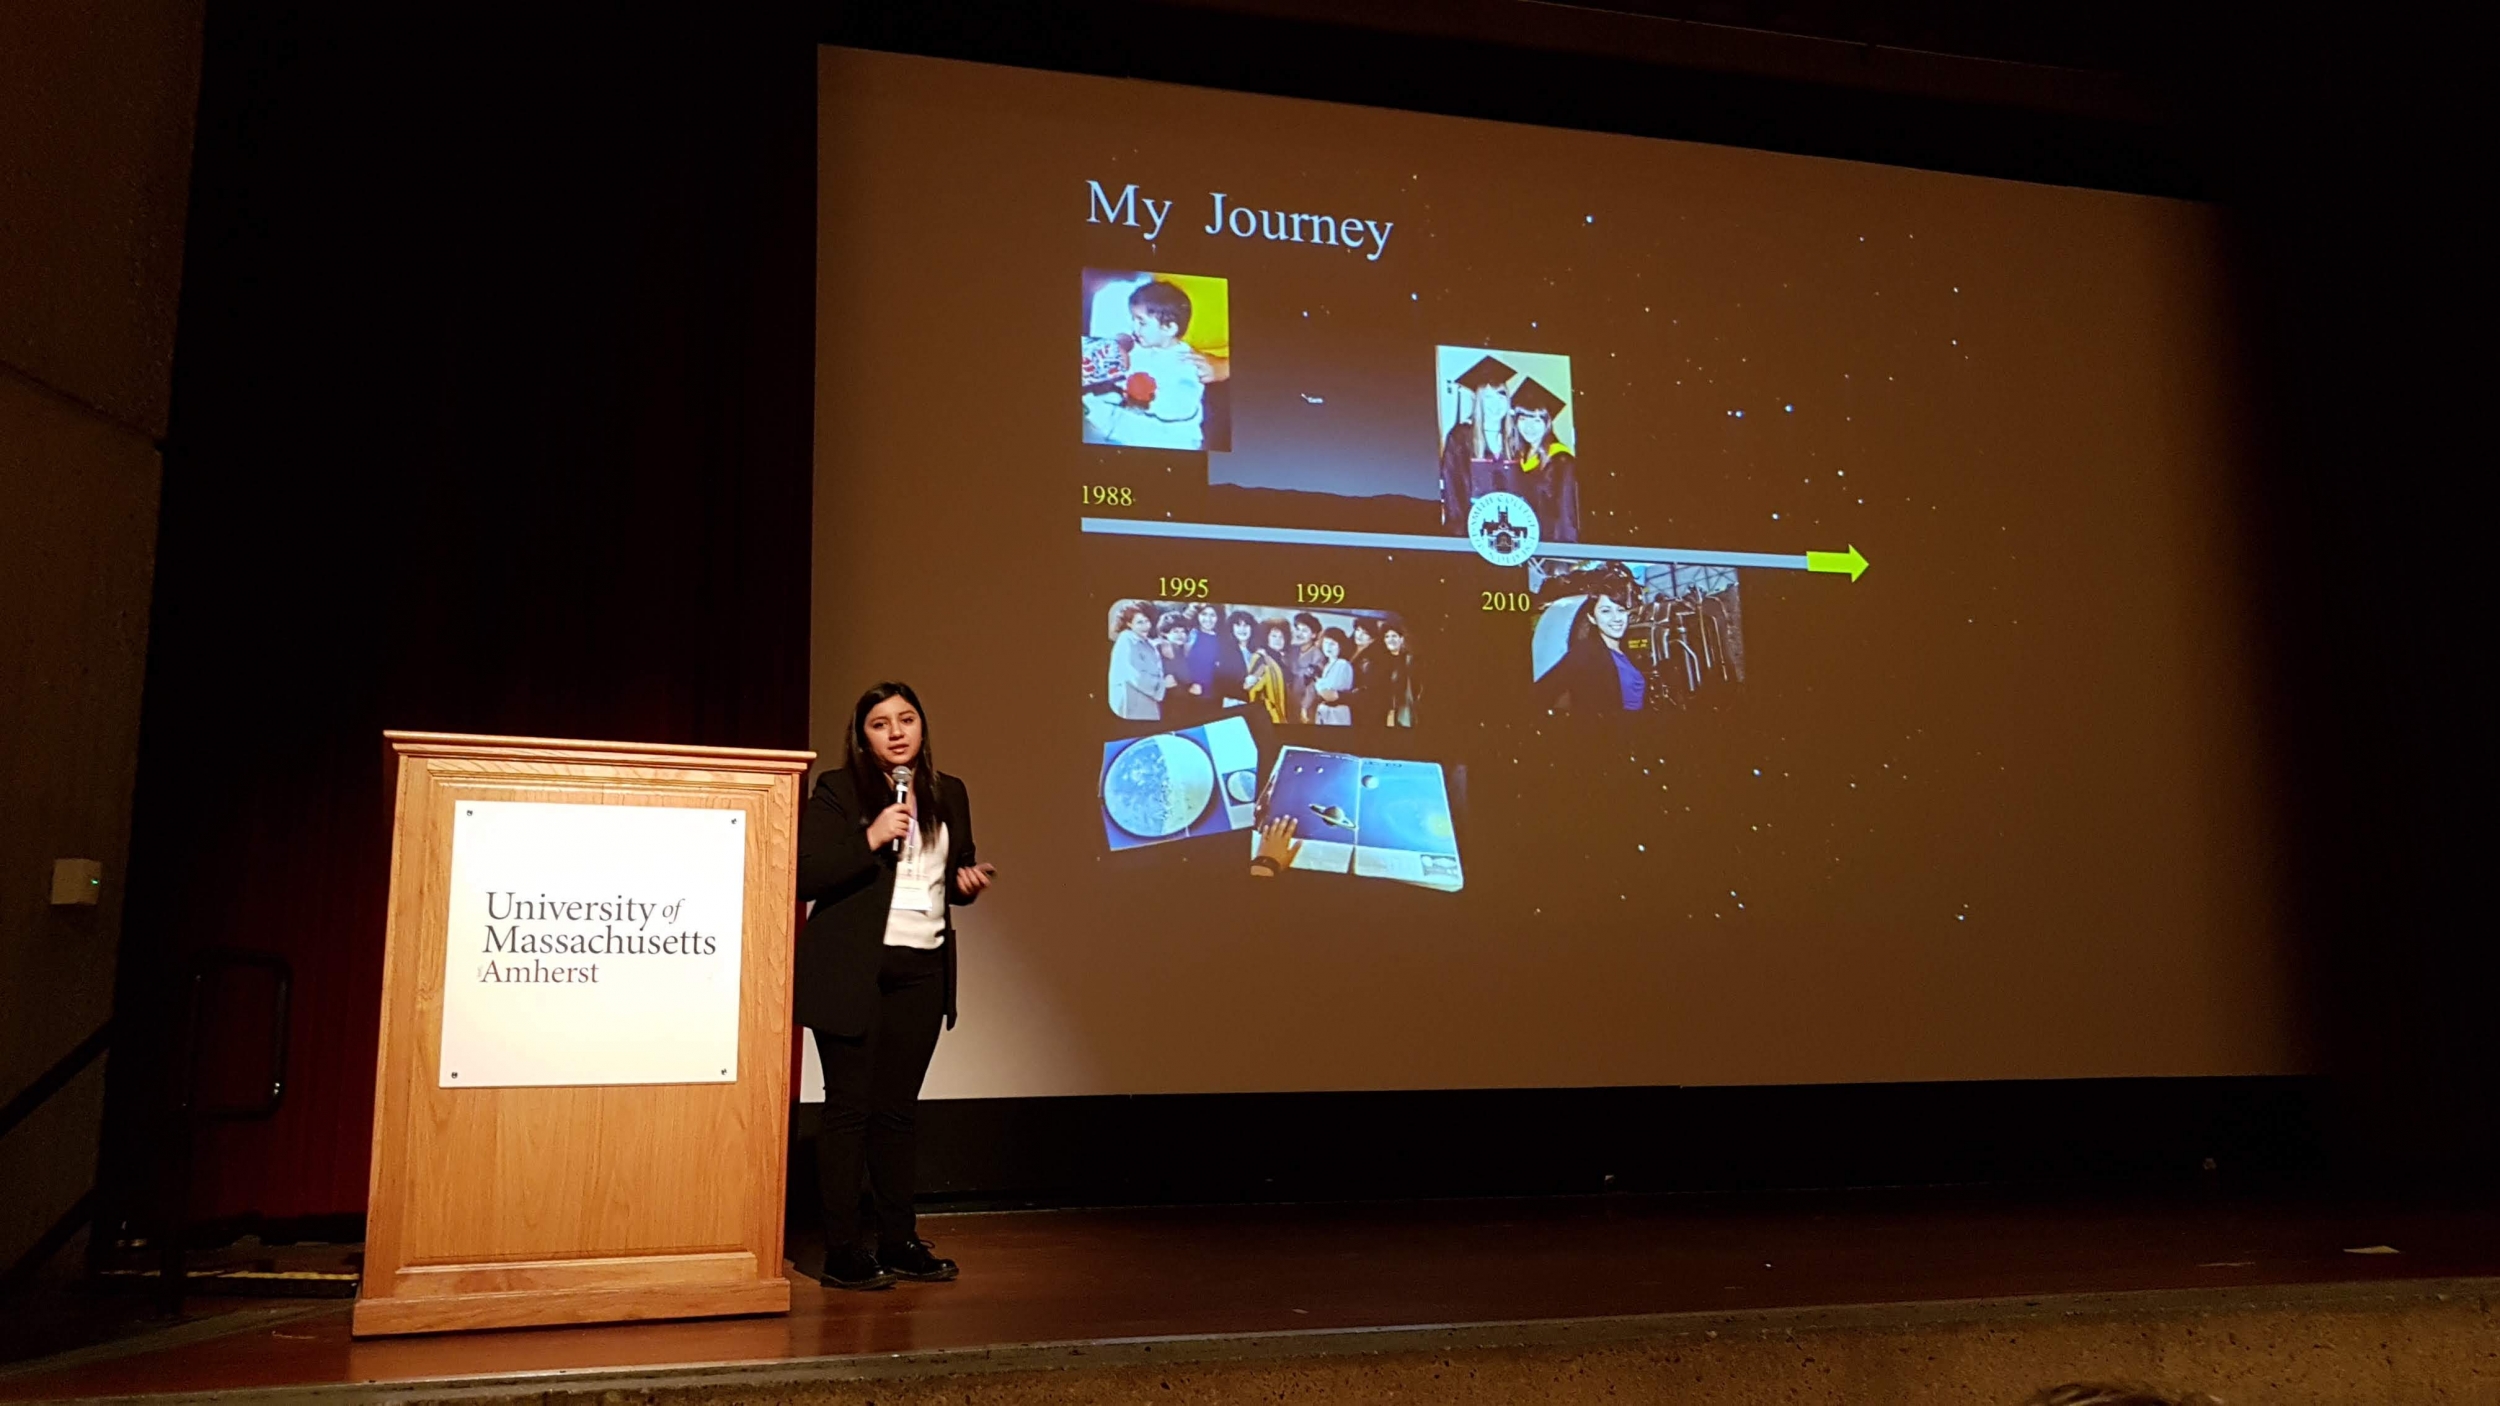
<point>1419,542</point>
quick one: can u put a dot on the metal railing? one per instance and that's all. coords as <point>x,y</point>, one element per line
<point>17,1110</point>
<point>180,1124</point>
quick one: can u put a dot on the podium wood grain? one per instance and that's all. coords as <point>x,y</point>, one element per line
<point>505,1207</point>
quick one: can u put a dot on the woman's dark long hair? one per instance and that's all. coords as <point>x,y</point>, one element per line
<point>869,775</point>
<point>1515,448</point>
<point>1584,636</point>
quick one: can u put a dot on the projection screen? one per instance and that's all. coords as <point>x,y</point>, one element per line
<point>1708,616</point>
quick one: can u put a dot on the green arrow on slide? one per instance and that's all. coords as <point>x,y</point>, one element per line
<point>1848,561</point>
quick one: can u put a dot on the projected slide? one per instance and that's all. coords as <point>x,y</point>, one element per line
<point>1359,518</point>
<point>1511,606</point>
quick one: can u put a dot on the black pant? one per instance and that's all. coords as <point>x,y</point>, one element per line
<point>872,1097</point>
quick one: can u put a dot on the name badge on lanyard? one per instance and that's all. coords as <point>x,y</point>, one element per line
<point>912,879</point>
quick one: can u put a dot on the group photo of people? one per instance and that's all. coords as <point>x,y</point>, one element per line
<point>1156,352</point>
<point>1506,427</point>
<point>1630,637</point>
<point>1185,662</point>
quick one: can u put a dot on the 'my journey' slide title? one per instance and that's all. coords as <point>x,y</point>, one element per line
<point>1228,218</point>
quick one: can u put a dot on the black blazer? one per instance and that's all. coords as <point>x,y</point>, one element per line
<point>852,887</point>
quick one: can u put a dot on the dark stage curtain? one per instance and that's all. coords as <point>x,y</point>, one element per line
<point>492,414</point>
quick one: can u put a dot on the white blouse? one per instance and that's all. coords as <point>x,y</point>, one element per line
<point>918,915</point>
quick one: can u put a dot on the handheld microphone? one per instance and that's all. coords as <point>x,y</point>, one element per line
<point>902,796</point>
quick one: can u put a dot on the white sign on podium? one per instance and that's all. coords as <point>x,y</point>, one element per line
<point>592,944</point>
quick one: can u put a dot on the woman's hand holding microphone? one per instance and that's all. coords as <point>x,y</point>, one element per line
<point>895,821</point>
<point>891,824</point>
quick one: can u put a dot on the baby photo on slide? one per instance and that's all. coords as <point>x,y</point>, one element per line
<point>1156,352</point>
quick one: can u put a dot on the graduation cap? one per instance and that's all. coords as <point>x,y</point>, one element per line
<point>1532,395</point>
<point>1492,371</point>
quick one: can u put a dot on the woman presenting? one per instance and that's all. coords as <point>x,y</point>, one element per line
<point>884,860</point>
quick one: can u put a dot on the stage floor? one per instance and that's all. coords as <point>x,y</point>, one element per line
<point>1176,1275</point>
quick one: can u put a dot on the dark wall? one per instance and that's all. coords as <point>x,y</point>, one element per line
<point>492,413</point>
<point>1584,66</point>
<point>97,109</point>
<point>2338,144</point>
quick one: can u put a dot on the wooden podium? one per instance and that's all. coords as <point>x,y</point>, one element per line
<point>589,1179</point>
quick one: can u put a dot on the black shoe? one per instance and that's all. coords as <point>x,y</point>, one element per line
<point>911,1260</point>
<point>854,1268</point>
